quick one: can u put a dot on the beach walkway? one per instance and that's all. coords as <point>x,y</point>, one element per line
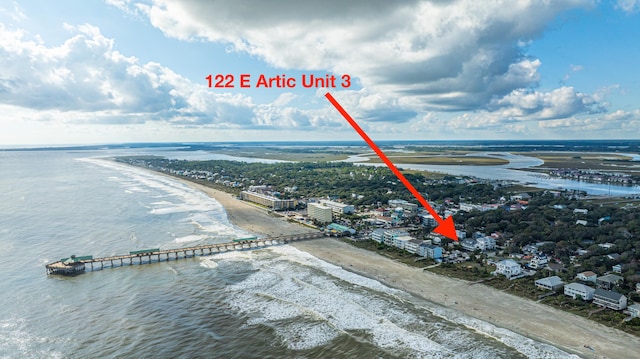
<point>77,265</point>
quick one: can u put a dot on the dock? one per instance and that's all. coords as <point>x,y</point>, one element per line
<point>75,265</point>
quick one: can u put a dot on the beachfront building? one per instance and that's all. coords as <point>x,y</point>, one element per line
<point>401,241</point>
<point>378,235</point>
<point>633,310</point>
<point>587,276</point>
<point>609,299</point>
<point>337,207</point>
<point>274,203</point>
<point>575,290</point>
<point>337,230</point>
<point>412,246</point>
<point>550,283</point>
<point>319,212</point>
<point>508,268</point>
<point>388,236</point>
<point>430,251</point>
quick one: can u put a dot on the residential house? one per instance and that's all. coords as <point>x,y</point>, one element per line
<point>508,268</point>
<point>530,248</point>
<point>617,268</point>
<point>538,261</point>
<point>608,281</point>
<point>550,283</point>
<point>613,256</point>
<point>609,299</point>
<point>574,290</point>
<point>580,210</point>
<point>486,243</point>
<point>469,244</point>
<point>521,197</point>
<point>587,276</point>
<point>633,310</point>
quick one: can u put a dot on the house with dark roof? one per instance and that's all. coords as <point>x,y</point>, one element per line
<point>608,281</point>
<point>609,299</point>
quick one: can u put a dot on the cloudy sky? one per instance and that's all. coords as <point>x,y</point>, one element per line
<point>113,71</point>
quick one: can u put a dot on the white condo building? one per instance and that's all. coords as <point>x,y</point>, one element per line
<point>319,212</point>
<point>337,207</point>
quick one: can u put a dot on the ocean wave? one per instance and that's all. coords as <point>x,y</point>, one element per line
<point>165,196</point>
<point>191,238</point>
<point>309,303</point>
<point>208,262</point>
<point>289,297</point>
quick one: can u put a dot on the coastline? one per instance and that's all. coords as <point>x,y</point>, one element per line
<point>534,320</point>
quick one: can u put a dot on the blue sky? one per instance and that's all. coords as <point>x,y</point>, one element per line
<point>118,71</point>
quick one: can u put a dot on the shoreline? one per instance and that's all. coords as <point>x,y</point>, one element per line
<point>533,320</point>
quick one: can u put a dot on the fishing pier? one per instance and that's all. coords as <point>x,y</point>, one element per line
<point>78,264</point>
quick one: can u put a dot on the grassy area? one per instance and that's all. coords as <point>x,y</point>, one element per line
<point>444,160</point>
<point>298,155</point>
<point>587,160</point>
<point>428,174</point>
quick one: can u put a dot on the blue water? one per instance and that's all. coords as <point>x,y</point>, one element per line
<point>272,303</point>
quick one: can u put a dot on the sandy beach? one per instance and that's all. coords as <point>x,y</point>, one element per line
<point>523,316</point>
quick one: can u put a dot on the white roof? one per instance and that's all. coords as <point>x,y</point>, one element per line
<point>509,263</point>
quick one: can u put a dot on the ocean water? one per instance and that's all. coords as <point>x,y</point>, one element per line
<point>271,303</point>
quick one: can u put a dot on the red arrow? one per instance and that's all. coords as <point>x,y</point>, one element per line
<point>445,226</point>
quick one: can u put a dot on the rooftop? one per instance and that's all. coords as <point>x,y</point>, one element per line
<point>609,294</point>
<point>551,281</point>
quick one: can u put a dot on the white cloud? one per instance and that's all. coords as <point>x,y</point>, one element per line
<point>629,6</point>
<point>15,12</point>
<point>86,81</point>
<point>533,105</point>
<point>446,55</point>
